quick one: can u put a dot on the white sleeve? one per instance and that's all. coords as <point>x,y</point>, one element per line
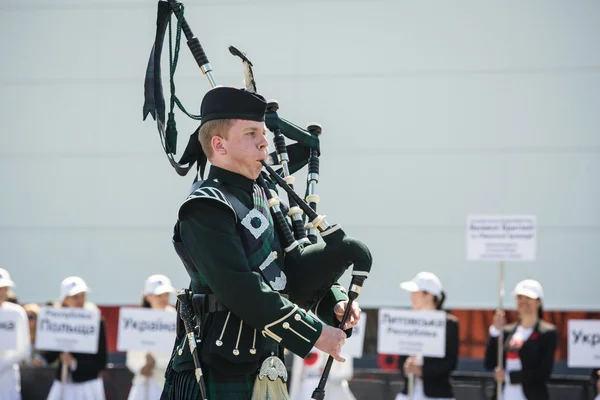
<point>23,350</point>
<point>494,332</point>
<point>161,361</point>
<point>135,361</point>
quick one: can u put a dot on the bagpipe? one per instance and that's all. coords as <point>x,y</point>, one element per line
<point>299,225</point>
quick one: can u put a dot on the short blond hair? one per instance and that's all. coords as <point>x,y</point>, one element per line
<point>210,129</point>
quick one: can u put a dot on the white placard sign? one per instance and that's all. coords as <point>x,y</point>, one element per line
<point>411,332</point>
<point>146,329</point>
<point>9,320</point>
<point>501,238</point>
<point>354,344</point>
<point>584,343</point>
<point>74,330</point>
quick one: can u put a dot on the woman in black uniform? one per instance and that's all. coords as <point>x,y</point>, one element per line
<point>529,346</point>
<point>431,375</point>
<point>83,381</point>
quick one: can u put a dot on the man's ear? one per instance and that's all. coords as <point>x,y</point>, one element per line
<point>218,145</point>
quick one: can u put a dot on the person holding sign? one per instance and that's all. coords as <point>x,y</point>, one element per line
<point>83,381</point>
<point>529,346</point>
<point>15,347</point>
<point>431,375</point>
<point>149,368</point>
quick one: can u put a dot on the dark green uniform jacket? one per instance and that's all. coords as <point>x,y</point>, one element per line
<point>254,319</point>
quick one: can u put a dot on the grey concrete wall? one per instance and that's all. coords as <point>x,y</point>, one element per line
<point>431,111</point>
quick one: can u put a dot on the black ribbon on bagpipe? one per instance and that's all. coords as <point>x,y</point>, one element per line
<point>154,99</point>
<point>325,261</point>
<point>155,105</point>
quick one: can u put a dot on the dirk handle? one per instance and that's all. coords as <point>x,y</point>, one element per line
<point>194,44</point>
<point>186,314</point>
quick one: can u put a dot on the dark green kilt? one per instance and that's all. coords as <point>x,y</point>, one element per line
<point>183,386</point>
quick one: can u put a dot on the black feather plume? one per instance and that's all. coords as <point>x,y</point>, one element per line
<point>248,74</point>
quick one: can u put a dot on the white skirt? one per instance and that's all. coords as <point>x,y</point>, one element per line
<point>89,390</point>
<point>149,390</point>
<point>14,395</point>
<point>337,390</point>
<point>418,393</point>
<point>10,384</point>
<point>401,396</point>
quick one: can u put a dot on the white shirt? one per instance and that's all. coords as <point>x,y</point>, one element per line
<point>513,362</point>
<point>135,361</point>
<point>10,377</point>
<point>418,391</point>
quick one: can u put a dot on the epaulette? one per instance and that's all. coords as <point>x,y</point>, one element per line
<point>207,190</point>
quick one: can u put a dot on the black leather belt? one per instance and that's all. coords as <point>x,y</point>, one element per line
<point>214,305</point>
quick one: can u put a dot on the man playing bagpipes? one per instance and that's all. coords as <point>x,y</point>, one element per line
<point>238,262</point>
<point>254,273</point>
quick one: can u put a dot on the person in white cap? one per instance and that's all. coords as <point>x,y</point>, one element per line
<point>84,381</point>
<point>10,377</point>
<point>529,346</point>
<point>149,368</point>
<point>431,375</point>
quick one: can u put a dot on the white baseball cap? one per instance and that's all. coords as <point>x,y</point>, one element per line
<point>71,286</point>
<point>5,280</point>
<point>530,288</point>
<point>158,284</point>
<point>424,281</point>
